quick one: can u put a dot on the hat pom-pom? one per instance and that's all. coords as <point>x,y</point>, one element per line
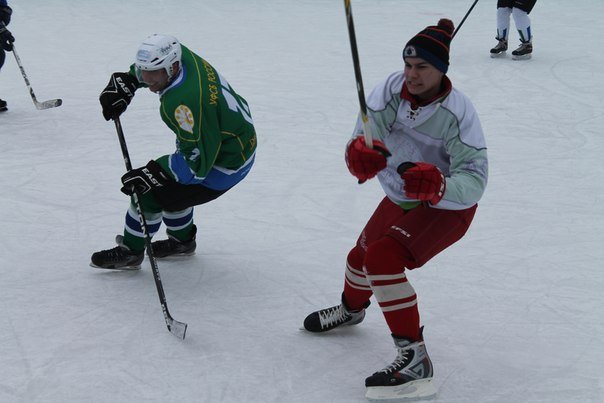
<point>446,25</point>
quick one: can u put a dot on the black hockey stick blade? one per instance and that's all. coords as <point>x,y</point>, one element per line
<point>178,329</point>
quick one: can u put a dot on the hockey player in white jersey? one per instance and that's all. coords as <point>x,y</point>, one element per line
<point>430,157</point>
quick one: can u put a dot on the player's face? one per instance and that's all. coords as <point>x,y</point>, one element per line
<point>157,80</point>
<point>423,79</point>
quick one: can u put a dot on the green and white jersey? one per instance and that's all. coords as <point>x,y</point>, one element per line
<point>446,133</point>
<point>213,124</point>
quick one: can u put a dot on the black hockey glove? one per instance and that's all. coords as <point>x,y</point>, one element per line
<point>117,95</point>
<point>6,39</point>
<point>141,180</point>
<point>5,13</point>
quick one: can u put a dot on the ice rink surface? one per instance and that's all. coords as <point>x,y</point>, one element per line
<point>512,313</point>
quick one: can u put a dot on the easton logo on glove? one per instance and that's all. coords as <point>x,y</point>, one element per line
<point>117,95</point>
<point>151,179</point>
<point>124,87</point>
<point>142,180</point>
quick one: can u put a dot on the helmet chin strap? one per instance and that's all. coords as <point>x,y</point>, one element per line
<point>173,72</point>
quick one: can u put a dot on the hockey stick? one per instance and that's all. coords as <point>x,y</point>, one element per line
<point>357,74</point>
<point>464,19</point>
<point>175,327</point>
<point>52,103</point>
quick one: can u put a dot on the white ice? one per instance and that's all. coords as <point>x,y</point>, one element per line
<point>513,313</point>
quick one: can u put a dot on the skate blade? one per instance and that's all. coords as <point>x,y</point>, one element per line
<point>523,57</point>
<point>122,268</point>
<point>497,55</point>
<point>420,389</point>
<point>177,256</point>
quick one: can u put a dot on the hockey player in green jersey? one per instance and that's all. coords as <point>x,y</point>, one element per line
<point>215,147</point>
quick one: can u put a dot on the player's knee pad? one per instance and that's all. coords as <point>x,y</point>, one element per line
<point>519,15</point>
<point>355,258</point>
<point>503,13</point>
<point>386,256</point>
<point>524,5</point>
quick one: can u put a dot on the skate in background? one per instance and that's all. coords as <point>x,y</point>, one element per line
<point>520,10</point>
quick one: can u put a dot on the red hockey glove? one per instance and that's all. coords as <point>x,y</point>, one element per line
<point>423,181</point>
<point>364,162</point>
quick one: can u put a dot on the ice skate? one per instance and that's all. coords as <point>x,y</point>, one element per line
<point>330,318</point>
<point>174,247</point>
<point>500,48</point>
<point>118,258</point>
<point>3,106</point>
<point>523,52</point>
<point>408,377</point>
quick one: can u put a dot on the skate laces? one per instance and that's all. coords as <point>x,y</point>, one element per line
<point>333,316</point>
<point>167,244</point>
<point>525,45</point>
<point>400,362</point>
<point>171,246</point>
<point>116,254</point>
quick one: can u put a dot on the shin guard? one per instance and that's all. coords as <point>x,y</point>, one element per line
<point>385,264</point>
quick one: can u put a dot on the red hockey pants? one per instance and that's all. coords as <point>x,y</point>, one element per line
<point>394,240</point>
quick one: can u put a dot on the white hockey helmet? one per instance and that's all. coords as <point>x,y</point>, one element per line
<point>159,52</point>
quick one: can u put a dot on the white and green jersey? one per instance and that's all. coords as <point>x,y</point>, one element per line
<point>446,133</point>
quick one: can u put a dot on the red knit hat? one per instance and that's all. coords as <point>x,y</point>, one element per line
<point>432,45</point>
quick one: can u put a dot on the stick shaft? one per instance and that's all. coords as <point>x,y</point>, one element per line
<point>357,74</point>
<point>177,328</point>
<point>464,19</point>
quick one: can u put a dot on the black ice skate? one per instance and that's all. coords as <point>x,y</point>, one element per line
<point>174,247</point>
<point>330,318</point>
<point>3,106</point>
<point>500,48</point>
<point>408,377</point>
<point>523,52</point>
<point>118,258</point>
